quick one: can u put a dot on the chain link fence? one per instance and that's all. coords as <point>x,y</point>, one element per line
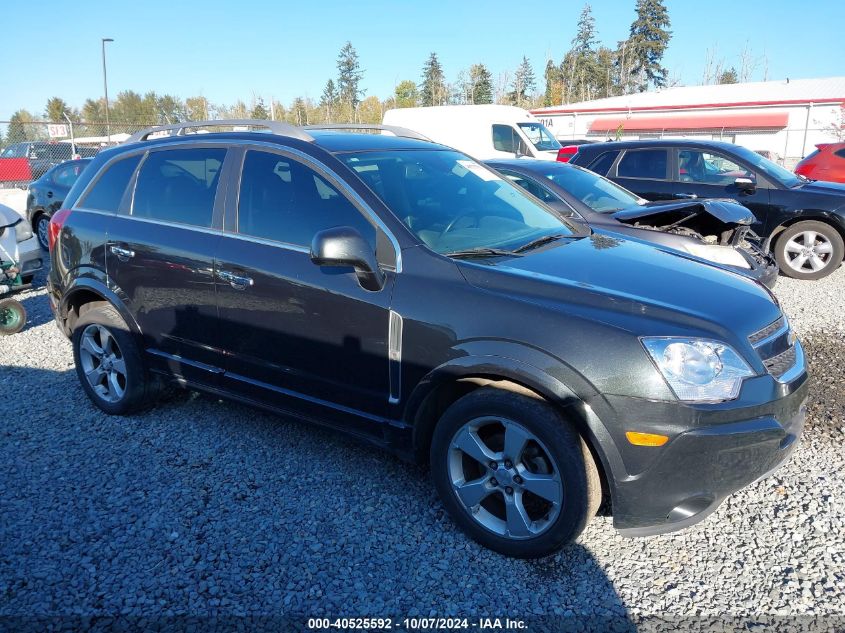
<point>29,149</point>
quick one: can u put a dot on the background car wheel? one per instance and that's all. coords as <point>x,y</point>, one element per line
<point>12,317</point>
<point>809,250</point>
<point>108,361</point>
<point>513,474</point>
<point>42,228</point>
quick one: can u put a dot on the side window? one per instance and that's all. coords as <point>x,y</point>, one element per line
<point>840,153</point>
<point>644,163</point>
<point>108,190</point>
<point>505,139</point>
<point>603,163</point>
<point>66,175</point>
<point>179,185</point>
<point>9,152</point>
<point>707,168</point>
<point>530,186</point>
<point>285,201</point>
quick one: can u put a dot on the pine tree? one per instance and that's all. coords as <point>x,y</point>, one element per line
<point>349,77</point>
<point>553,94</point>
<point>17,130</point>
<point>56,109</point>
<point>730,76</point>
<point>329,99</point>
<point>433,91</point>
<point>482,84</point>
<point>299,112</point>
<point>259,110</point>
<point>523,84</point>
<point>647,44</point>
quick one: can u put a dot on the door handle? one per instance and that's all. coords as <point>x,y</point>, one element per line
<point>123,254</point>
<point>687,196</point>
<point>238,282</point>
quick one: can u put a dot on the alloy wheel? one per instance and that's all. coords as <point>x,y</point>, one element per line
<point>43,229</point>
<point>505,477</point>
<point>102,363</point>
<point>808,251</point>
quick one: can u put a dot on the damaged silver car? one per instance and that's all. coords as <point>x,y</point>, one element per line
<point>718,231</point>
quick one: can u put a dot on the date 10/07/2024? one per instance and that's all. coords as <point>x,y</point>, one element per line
<point>417,624</point>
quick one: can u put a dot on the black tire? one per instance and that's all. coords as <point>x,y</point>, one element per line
<point>570,458</point>
<point>139,388</point>
<point>12,317</point>
<point>827,235</point>
<point>36,228</point>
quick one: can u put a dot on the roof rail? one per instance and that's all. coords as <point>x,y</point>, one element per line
<point>393,129</point>
<point>180,129</point>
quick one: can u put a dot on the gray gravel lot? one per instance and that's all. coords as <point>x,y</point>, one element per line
<point>208,508</point>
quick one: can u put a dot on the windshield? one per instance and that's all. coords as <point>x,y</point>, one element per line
<point>600,194</point>
<point>540,136</point>
<point>768,168</point>
<point>452,203</point>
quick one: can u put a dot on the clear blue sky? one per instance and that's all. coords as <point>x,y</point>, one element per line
<point>226,51</point>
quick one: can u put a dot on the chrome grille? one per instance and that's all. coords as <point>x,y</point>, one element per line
<point>776,346</point>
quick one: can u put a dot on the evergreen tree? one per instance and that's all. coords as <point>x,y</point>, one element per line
<point>523,84</point>
<point>17,130</point>
<point>730,76</point>
<point>406,94</point>
<point>56,109</point>
<point>349,77</point>
<point>259,110</point>
<point>554,93</point>
<point>647,44</point>
<point>482,84</point>
<point>329,99</point>
<point>2,140</point>
<point>433,91</point>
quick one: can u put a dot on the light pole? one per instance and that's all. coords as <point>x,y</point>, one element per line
<point>106,89</point>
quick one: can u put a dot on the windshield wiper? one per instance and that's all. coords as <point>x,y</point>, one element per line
<point>539,242</point>
<point>479,251</point>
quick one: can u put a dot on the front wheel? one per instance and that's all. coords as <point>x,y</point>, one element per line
<point>12,317</point>
<point>809,250</point>
<point>513,474</point>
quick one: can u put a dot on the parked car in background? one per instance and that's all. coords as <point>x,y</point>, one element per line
<point>713,230</point>
<point>27,254</point>
<point>483,131</point>
<point>802,222</point>
<point>826,163</point>
<point>22,162</point>
<point>45,195</point>
<point>400,291</point>
<point>570,148</point>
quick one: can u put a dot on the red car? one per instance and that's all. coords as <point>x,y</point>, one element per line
<point>826,163</point>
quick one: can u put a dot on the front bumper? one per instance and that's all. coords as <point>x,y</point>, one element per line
<point>30,256</point>
<point>723,450</point>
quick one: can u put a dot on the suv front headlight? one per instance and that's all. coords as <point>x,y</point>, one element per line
<point>23,231</point>
<point>726,255</point>
<point>698,370</point>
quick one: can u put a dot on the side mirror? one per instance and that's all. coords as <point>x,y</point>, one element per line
<point>745,184</point>
<point>344,246</point>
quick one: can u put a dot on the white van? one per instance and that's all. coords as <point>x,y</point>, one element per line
<point>482,131</point>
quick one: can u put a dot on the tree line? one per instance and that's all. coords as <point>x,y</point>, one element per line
<point>586,71</point>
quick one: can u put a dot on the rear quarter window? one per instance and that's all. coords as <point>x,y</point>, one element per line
<point>603,163</point>
<point>108,190</point>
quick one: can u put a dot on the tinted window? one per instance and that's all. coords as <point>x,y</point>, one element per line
<point>530,186</point>
<point>108,190</point>
<point>708,168</point>
<point>600,194</point>
<point>14,151</point>
<point>840,153</point>
<point>645,163</point>
<point>285,201</point>
<point>450,202</point>
<point>603,163</point>
<point>179,185</point>
<point>66,175</point>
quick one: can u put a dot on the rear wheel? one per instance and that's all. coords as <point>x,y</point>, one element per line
<point>809,250</point>
<point>108,361</point>
<point>42,230</point>
<point>12,316</point>
<point>513,473</point>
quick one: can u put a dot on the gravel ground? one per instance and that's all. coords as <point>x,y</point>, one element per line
<point>207,508</point>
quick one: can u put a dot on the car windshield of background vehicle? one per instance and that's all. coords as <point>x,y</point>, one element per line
<point>707,168</point>
<point>540,136</point>
<point>452,203</point>
<point>600,194</point>
<point>768,168</point>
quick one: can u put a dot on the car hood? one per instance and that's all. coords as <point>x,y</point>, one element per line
<point>664,213</point>
<point>823,187</point>
<point>607,272</point>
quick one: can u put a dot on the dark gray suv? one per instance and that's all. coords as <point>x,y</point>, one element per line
<point>402,292</point>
